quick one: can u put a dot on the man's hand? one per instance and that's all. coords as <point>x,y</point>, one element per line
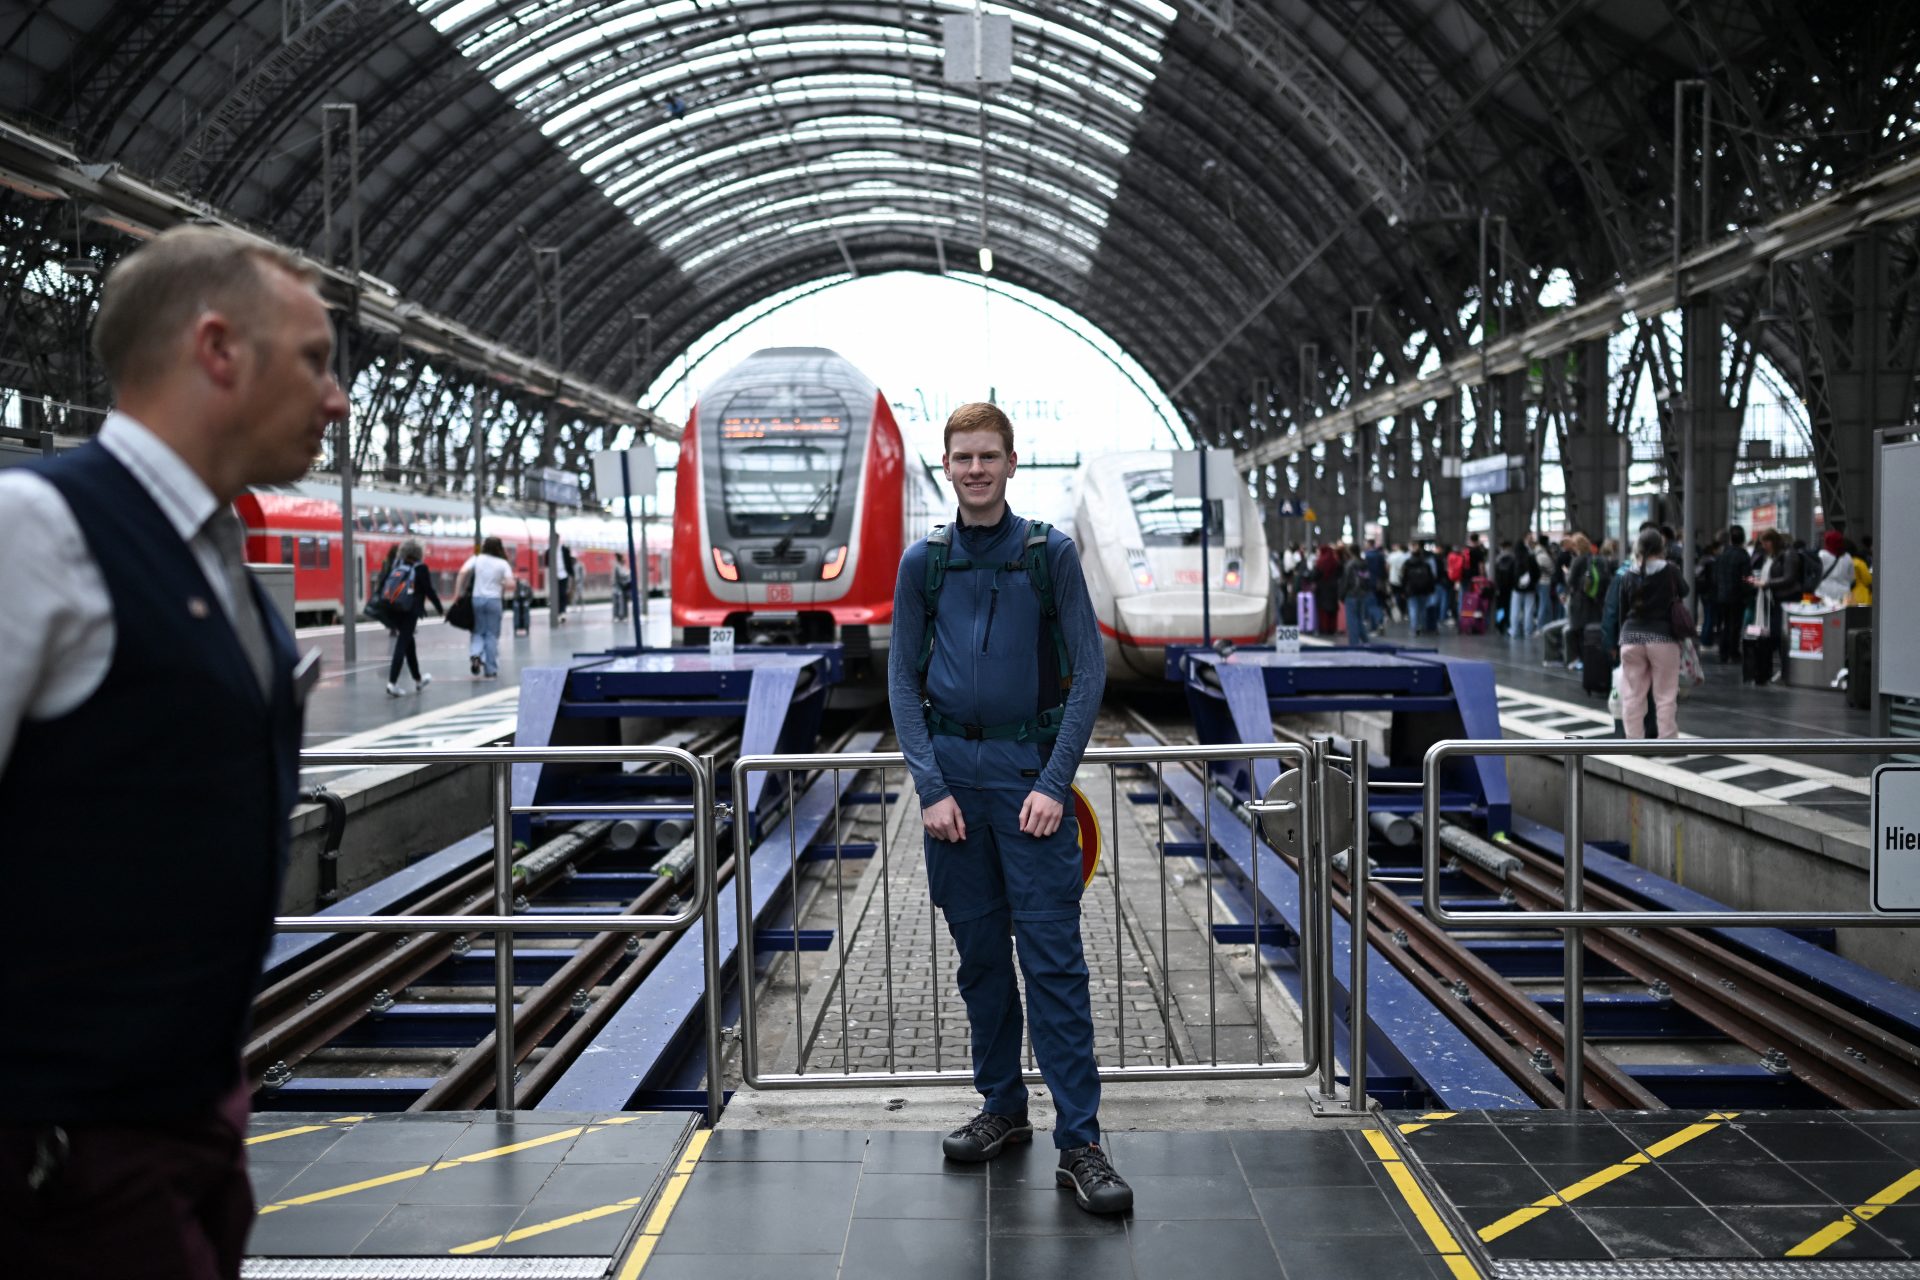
<point>944,821</point>
<point>1040,815</point>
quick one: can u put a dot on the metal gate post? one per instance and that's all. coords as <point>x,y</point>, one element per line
<point>1320,955</point>
<point>1573,987</point>
<point>503,1010</point>
<point>706,839</point>
<point>1357,888</point>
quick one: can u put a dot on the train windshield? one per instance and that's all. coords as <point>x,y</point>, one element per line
<point>782,450</point>
<point>1167,521</point>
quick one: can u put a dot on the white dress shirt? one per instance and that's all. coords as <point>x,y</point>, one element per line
<point>56,631</point>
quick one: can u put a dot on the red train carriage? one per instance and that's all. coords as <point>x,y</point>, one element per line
<point>793,501</point>
<point>299,524</point>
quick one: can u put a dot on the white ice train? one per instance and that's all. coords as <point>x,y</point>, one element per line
<point>1140,547</point>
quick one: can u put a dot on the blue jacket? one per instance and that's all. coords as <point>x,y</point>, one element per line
<point>991,644</point>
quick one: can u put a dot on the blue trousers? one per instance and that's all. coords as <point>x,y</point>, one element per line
<point>1003,892</point>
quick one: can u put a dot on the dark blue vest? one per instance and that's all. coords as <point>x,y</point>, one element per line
<point>145,833</point>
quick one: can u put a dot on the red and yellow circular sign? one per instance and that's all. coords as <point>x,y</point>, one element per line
<point>1089,828</point>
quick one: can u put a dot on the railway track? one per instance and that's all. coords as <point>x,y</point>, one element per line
<point>1846,1059</point>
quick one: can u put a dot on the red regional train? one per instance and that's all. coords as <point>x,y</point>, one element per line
<point>793,502</point>
<point>299,524</point>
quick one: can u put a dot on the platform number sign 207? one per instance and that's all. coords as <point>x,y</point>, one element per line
<point>720,642</point>
<point>1896,839</point>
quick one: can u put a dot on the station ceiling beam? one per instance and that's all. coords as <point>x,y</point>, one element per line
<point>43,168</point>
<point>1890,196</point>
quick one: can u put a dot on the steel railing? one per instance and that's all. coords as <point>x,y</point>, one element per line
<point>1573,920</point>
<point>504,924</point>
<point>1316,914</point>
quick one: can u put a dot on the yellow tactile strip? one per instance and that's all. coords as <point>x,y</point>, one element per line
<point>637,1257</point>
<point>297,1130</point>
<point>1836,1231</point>
<point>421,1171</point>
<point>1416,1197</point>
<point>1594,1181</point>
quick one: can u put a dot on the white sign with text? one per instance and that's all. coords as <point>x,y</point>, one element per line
<point>1896,839</point>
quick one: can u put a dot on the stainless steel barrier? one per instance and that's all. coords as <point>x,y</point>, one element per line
<point>1574,920</point>
<point>503,923</point>
<point>1316,912</point>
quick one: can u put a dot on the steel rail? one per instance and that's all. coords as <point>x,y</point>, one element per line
<point>1747,1002</point>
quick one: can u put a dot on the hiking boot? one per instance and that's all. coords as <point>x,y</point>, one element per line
<point>1095,1185</point>
<point>982,1137</point>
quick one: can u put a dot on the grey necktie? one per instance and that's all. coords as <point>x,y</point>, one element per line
<point>223,527</point>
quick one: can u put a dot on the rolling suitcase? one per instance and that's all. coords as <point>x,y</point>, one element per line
<point>1860,668</point>
<point>1596,664</point>
<point>1555,633</point>
<point>1756,659</point>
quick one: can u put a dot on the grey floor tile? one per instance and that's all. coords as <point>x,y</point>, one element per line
<point>892,1248</point>
<point>914,1151</point>
<point>1766,1183</point>
<point>920,1195</point>
<point>493,1182</point>
<point>492,1135</point>
<point>1502,1187</point>
<point>1052,1257</point>
<point>599,1183</point>
<point>648,1143</point>
<point>327,1176</point>
<point>744,1266</point>
<point>1307,1213</point>
<point>1190,1197</point>
<point>1724,1145</point>
<point>1774,1230</point>
<point>1181,1153</point>
<point>787,1145</point>
<point>1592,1145</point>
<point>432,1230</point>
<point>798,1207</point>
<point>1030,1167</point>
<point>1036,1211</point>
<point>1481,1144</point>
<point>1301,1159</point>
<point>1852,1183</point>
<point>1209,1250</point>
<point>600,1235</point>
<point>398,1144</point>
<point>1646,1231</point>
<point>269,1177</point>
<point>1341,1257</point>
<point>304,1147</point>
<point>1648,1185</point>
<point>314,1230</point>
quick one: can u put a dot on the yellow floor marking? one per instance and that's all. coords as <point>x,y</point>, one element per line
<point>333,1193</point>
<point>1834,1232</point>
<point>636,1259</point>
<point>305,1128</point>
<point>1423,1210</point>
<point>1427,1118</point>
<point>1594,1181</point>
<point>541,1228</point>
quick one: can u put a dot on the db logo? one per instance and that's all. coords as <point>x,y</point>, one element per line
<point>779,593</point>
<point>1187,577</point>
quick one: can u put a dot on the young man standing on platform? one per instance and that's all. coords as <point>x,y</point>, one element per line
<point>995,678</point>
<point>149,755</point>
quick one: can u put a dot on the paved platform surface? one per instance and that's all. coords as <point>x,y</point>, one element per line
<point>853,1205</point>
<point>456,1185</point>
<point>1681,1193</point>
<point>353,700</point>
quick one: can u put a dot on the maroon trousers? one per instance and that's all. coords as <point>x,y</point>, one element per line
<point>168,1201</point>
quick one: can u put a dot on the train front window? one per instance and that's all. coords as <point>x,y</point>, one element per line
<point>782,450</point>
<point>1167,521</point>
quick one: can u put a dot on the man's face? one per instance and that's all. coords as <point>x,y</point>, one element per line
<point>979,465</point>
<point>287,396</point>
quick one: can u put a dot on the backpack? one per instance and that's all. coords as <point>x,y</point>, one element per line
<point>1043,727</point>
<point>1417,576</point>
<point>1810,572</point>
<point>1598,578</point>
<point>1456,565</point>
<point>1505,571</point>
<point>397,592</point>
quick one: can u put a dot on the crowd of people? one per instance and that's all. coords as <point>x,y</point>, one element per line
<point>1600,610</point>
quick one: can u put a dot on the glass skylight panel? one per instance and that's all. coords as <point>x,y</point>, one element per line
<point>699,123</point>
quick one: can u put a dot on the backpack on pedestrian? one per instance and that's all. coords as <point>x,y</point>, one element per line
<point>1456,565</point>
<point>1418,576</point>
<point>398,591</point>
<point>1811,571</point>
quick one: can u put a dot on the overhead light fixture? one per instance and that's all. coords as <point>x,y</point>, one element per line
<point>986,261</point>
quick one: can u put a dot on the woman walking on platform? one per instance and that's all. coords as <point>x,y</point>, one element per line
<point>488,577</point>
<point>408,591</point>
<point>1646,623</point>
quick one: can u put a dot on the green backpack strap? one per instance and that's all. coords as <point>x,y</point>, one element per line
<point>1042,579</point>
<point>939,547</point>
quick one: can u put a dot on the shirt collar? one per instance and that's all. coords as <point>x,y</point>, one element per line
<point>985,535</point>
<point>186,501</point>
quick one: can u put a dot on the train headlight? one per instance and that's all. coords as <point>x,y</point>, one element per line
<point>723,563</point>
<point>836,561</point>
<point>1233,573</point>
<point>1143,577</point>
